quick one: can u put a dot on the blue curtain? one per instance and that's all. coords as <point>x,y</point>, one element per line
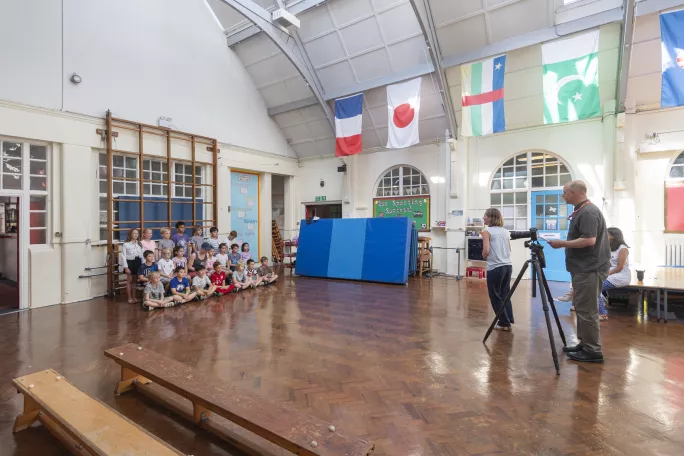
<point>156,208</point>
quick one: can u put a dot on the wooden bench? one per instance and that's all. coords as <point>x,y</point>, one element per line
<point>84,425</point>
<point>280,424</point>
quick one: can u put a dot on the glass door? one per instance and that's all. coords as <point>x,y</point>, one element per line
<point>550,216</point>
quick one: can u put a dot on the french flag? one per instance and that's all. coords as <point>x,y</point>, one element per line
<point>348,125</point>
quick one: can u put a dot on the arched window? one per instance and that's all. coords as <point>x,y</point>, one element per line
<point>402,180</point>
<point>674,193</point>
<point>517,178</point>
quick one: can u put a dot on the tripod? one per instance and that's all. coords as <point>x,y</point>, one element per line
<point>538,264</point>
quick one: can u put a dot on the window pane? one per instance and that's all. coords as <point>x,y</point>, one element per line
<point>521,197</point>
<point>147,175</point>
<point>552,181</point>
<point>118,161</point>
<point>495,199</point>
<point>146,165</point>
<point>563,210</point>
<point>165,167</point>
<point>508,172</point>
<point>496,184</point>
<point>147,189</point>
<point>508,184</point>
<point>379,192</point>
<point>539,224</point>
<point>11,149</point>
<point>179,168</point>
<point>103,159</point>
<point>11,181</point>
<point>12,165</point>
<point>198,193</point>
<point>551,224</point>
<point>118,187</point>
<point>539,210</point>
<point>563,224</point>
<point>156,190</point>
<point>521,211</point>
<point>521,159</point>
<point>677,172</point>
<point>509,163</point>
<point>103,204</point>
<point>521,171</point>
<point>551,198</point>
<point>508,212</point>
<point>131,188</point>
<point>38,219</point>
<point>551,210</point>
<point>507,198</point>
<point>188,178</point>
<point>117,172</point>
<point>537,158</point>
<point>38,236</point>
<point>563,169</point>
<point>38,183</point>
<point>520,182</point>
<point>564,179</point>
<point>537,182</point>
<point>38,152</point>
<point>553,169</point>
<point>188,169</point>
<point>539,199</point>
<point>131,163</point>
<point>537,170</point>
<point>179,191</point>
<point>520,224</point>
<point>103,186</point>
<point>156,176</point>
<point>407,171</point>
<point>164,190</point>
<point>38,168</point>
<point>156,166</point>
<point>38,203</point>
<point>131,174</point>
<point>508,225</point>
<point>497,175</point>
<point>680,159</point>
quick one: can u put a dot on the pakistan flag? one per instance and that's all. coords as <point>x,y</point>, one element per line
<point>571,90</point>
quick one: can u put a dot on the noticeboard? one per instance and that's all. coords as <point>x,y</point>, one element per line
<point>417,208</point>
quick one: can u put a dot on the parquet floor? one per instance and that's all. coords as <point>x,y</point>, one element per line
<point>401,366</point>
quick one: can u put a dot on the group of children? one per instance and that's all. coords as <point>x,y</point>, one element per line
<point>182,268</point>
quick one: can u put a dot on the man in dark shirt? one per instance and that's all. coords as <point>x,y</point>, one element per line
<point>587,259</point>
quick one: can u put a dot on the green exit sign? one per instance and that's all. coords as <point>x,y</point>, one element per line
<point>320,198</point>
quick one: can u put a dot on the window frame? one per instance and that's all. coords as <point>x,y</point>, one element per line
<point>513,162</point>
<point>423,181</point>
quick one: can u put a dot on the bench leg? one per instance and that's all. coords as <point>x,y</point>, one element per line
<point>199,413</point>
<point>30,415</point>
<point>128,379</point>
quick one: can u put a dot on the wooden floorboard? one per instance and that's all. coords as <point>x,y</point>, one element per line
<point>403,367</point>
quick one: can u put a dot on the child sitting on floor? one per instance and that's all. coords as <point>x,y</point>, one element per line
<point>180,286</point>
<point>165,267</point>
<point>179,260</point>
<point>253,278</point>
<point>218,278</point>
<point>201,283</point>
<point>148,266</point>
<point>239,277</point>
<point>153,296</point>
<point>266,273</point>
<point>234,256</point>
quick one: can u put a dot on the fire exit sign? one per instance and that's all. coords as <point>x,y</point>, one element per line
<point>320,198</point>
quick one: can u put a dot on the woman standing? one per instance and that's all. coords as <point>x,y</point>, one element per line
<point>619,274</point>
<point>130,260</point>
<point>496,249</point>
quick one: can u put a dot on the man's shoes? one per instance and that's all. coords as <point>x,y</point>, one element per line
<point>573,349</point>
<point>586,357</point>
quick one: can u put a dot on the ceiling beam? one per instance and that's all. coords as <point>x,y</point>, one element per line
<point>291,48</point>
<point>626,41</point>
<point>235,36</point>
<point>291,106</point>
<point>421,9</point>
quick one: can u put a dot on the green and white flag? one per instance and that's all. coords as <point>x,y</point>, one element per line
<point>571,90</point>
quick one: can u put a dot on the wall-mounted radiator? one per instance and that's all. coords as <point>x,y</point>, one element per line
<point>674,253</point>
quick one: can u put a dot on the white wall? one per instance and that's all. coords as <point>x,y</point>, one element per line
<point>141,60</point>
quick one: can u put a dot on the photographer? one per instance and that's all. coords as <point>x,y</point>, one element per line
<point>587,259</point>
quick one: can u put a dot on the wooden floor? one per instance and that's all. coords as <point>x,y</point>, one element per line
<point>404,367</point>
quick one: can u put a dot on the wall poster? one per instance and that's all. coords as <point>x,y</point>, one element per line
<point>244,208</point>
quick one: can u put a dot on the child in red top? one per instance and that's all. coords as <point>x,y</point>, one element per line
<point>218,278</point>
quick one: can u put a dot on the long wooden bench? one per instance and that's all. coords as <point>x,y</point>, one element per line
<point>280,424</point>
<point>84,425</point>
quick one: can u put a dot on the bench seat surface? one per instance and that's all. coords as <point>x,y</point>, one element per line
<point>279,423</point>
<point>99,426</point>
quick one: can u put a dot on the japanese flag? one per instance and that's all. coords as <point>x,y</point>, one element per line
<point>403,105</point>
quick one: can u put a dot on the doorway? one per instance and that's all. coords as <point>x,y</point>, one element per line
<point>550,216</point>
<point>9,253</point>
<point>324,210</point>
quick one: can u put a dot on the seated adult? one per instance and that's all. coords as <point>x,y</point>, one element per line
<point>199,258</point>
<point>619,274</point>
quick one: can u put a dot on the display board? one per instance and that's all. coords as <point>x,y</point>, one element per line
<point>373,249</point>
<point>416,208</point>
<point>244,208</point>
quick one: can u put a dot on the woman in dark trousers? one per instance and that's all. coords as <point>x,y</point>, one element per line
<point>496,249</point>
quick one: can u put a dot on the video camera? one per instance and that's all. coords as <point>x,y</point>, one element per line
<point>531,233</point>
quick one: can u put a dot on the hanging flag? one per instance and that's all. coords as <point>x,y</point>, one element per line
<point>348,125</point>
<point>483,97</point>
<point>403,106</point>
<point>672,55</point>
<point>571,90</point>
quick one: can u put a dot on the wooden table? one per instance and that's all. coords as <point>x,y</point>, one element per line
<point>659,280</point>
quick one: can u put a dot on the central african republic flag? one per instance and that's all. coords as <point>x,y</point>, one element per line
<point>483,97</point>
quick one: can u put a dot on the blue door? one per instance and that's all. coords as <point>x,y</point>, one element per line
<point>550,216</point>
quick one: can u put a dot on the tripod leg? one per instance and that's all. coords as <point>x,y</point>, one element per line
<point>508,298</point>
<point>553,307</point>
<point>545,306</point>
<point>534,283</point>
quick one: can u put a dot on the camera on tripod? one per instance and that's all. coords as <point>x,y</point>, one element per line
<point>532,244</point>
<point>531,233</point>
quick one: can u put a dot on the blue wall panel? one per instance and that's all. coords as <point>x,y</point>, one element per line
<point>313,250</point>
<point>346,249</point>
<point>386,254</point>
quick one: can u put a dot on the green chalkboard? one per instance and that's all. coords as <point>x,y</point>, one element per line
<point>417,208</point>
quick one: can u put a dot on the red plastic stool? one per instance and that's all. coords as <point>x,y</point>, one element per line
<point>481,273</point>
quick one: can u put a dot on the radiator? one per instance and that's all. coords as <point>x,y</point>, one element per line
<point>674,253</point>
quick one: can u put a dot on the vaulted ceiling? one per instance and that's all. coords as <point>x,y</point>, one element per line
<point>352,46</point>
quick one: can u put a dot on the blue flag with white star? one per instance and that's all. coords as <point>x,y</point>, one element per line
<point>672,54</point>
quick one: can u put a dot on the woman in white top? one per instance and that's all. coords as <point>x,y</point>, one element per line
<point>496,249</point>
<point>619,275</point>
<point>130,260</point>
